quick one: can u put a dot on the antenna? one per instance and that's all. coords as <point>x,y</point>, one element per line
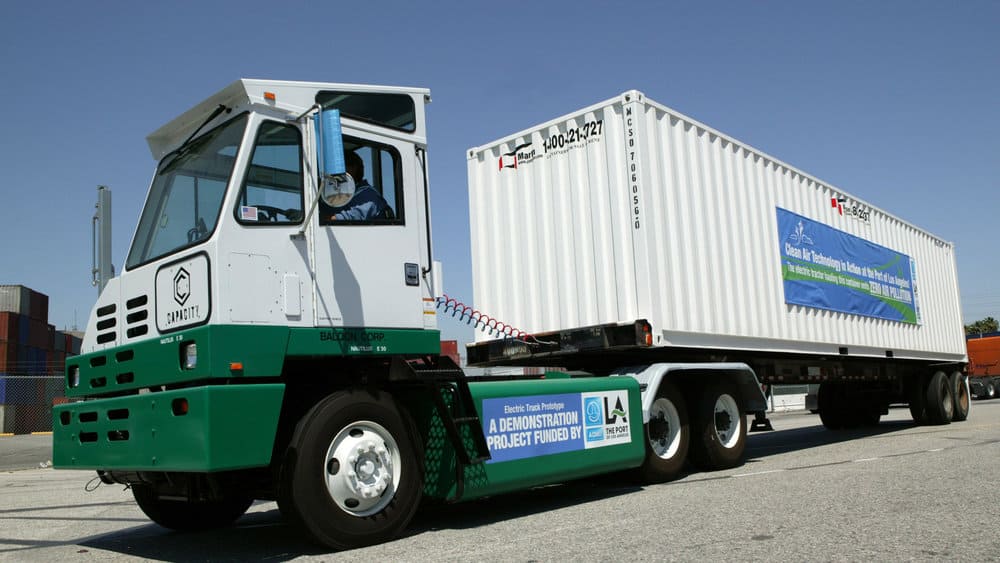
<point>102,269</point>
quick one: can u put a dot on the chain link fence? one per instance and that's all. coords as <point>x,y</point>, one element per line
<point>26,402</point>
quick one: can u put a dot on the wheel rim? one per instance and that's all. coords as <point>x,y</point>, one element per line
<point>947,402</point>
<point>664,428</point>
<point>727,420</point>
<point>362,467</point>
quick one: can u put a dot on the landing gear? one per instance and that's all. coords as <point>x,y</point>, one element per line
<point>351,476</point>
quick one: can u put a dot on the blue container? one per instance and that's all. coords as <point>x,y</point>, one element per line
<point>18,390</point>
<point>23,328</point>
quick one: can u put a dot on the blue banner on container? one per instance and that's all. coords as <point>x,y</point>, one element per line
<point>826,268</point>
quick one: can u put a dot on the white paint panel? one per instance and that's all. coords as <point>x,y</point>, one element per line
<point>555,243</point>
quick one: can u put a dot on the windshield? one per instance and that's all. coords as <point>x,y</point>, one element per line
<point>186,196</point>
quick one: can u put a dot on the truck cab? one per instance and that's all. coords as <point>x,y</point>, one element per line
<point>236,230</point>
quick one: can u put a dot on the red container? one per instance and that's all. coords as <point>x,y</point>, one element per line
<point>450,348</point>
<point>9,326</point>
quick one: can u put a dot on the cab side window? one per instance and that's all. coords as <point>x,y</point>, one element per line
<point>272,188</point>
<point>377,196</point>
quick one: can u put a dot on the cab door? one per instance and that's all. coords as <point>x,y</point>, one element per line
<point>369,272</point>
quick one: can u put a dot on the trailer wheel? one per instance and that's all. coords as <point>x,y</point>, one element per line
<point>353,476</point>
<point>940,405</point>
<point>667,436</point>
<point>189,516</point>
<point>917,396</point>
<point>830,414</point>
<point>991,391</point>
<point>960,394</point>
<point>720,431</point>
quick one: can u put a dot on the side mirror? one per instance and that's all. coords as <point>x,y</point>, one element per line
<point>330,143</point>
<point>337,186</point>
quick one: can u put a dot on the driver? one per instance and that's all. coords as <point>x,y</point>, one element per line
<point>367,203</point>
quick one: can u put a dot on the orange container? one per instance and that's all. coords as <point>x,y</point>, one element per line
<point>984,356</point>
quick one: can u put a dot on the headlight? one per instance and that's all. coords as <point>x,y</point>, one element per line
<point>74,376</point>
<point>189,354</point>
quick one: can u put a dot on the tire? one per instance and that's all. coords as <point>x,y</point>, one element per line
<point>960,395</point>
<point>991,390</point>
<point>668,436</point>
<point>719,435</point>
<point>832,417</point>
<point>189,516</point>
<point>352,476</point>
<point>940,404</point>
<point>918,400</point>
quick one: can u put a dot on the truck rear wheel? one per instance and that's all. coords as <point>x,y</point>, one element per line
<point>353,476</point>
<point>189,516</point>
<point>667,436</point>
<point>720,432</point>
<point>940,404</point>
<point>960,394</point>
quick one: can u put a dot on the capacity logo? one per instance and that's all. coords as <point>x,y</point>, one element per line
<point>517,156</point>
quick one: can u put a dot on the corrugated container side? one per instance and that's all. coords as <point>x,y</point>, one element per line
<point>8,356</point>
<point>16,299</point>
<point>59,341</point>
<point>9,325</point>
<point>38,334</point>
<point>629,210</point>
<point>39,306</point>
<point>23,328</point>
<point>50,336</point>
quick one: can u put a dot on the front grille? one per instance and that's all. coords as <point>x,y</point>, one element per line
<point>137,317</point>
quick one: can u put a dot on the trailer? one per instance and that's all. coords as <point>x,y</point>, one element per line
<point>274,331</point>
<point>984,365</point>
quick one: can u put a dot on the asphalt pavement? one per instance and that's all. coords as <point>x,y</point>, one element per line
<point>897,492</point>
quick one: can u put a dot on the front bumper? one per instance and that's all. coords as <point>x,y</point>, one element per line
<point>222,427</point>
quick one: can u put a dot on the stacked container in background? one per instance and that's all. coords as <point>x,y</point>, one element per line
<point>32,360</point>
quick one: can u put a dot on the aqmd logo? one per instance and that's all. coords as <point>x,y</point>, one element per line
<point>594,413</point>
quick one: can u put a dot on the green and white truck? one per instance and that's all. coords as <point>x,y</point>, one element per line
<point>257,345</point>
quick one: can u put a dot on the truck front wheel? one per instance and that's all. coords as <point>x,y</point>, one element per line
<point>667,436</point>
<point>720,432</point>
<point>189,516</point>
<point>353,477</point>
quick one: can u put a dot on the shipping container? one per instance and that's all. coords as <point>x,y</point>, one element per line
<point>9,326</point>
<point>59,341</point>
<point>8,356</point>
<point>21,390</point>
<point>38,334</point>
<point>50,336</point>
<point>630,210</point>
<point>15,299</point>
<point>39,306</point>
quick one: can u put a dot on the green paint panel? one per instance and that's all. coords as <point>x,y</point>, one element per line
<point>363,342</point>
<point>157,361</point>
<point>225,427</point>
<point>500,475</point>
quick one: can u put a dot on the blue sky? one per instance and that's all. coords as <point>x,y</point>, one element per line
<point>897,103</point>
